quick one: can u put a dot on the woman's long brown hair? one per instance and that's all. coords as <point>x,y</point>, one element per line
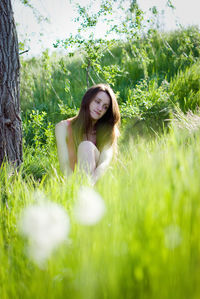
<point>106,127</point>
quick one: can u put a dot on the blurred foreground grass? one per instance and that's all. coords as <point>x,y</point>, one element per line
<point>147,244</point>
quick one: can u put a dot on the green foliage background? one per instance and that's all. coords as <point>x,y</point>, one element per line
<point>152,77</point>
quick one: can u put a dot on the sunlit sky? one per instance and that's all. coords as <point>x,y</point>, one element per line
<point>61,13</point>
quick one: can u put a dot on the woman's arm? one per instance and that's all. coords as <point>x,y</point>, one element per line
<point>105,158</point>
<point>61,136</point>
<point>104,161</point>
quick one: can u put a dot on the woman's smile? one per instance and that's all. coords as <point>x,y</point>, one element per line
<point>98,113</point>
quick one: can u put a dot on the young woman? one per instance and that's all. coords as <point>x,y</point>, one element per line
<point>89,139</point>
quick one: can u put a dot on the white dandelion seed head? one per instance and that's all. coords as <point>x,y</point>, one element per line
<point>172,236</point>
<point>45,225</point>
<point>90,207</point>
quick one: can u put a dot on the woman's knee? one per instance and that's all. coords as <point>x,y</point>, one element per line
<point>87,150</point>
<point>86,146</point>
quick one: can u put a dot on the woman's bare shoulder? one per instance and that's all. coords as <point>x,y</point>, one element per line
<point>62,123</point>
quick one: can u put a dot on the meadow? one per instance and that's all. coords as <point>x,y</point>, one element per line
<point>144,242</point>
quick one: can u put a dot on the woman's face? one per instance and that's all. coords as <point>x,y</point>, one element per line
<point>99,105</point>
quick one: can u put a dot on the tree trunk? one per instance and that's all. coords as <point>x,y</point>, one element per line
<point>10,121</point>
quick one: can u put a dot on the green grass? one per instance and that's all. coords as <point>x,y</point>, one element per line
<point>147,244</point>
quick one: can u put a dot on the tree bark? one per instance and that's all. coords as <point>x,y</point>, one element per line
<point>10,120</point>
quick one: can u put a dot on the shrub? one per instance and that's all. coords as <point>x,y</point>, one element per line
<point>185,88</point>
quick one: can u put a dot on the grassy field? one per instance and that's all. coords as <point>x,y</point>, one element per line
<point>136,233</point>
<point>145,246</point>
